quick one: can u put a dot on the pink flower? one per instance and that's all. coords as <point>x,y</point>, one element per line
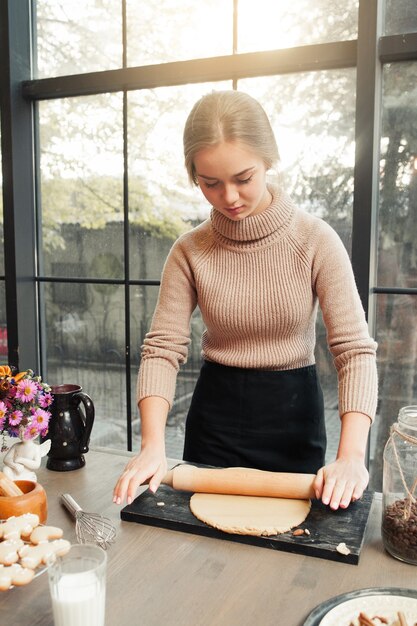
<point>15,417</point>
<point>26,390</point>
<point>41,419</point>
<point>31,431</point>
<point>45,400</point>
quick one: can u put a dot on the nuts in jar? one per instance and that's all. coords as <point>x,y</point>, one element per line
<point>399,529</point>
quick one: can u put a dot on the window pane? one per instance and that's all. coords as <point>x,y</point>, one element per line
<point>400,16</point>
<point>397,246</point>
<point>270,25</point>
<point>396,319</point>
<point>85,346</point>
<point>168,30</point>
<point>313,119</point>
<point>81,161</point>
<point>75,36</point>
<point>162,203</point>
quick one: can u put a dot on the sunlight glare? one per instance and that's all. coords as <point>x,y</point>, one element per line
<point>264,25</point>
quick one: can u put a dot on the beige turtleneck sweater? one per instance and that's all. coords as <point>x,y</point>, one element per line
<point>257,283</point>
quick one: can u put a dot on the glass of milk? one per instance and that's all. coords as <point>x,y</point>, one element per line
<point>77,582</point>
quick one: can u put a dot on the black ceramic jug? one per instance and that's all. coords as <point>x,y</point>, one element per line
<point>69,428</point>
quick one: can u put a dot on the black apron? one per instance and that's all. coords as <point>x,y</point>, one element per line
<point>268,420</point>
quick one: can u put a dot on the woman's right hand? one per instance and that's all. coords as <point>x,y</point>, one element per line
<point>148,466</point>
<point>151,464</point>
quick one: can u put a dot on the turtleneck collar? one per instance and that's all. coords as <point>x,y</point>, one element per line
<point>255,231</point>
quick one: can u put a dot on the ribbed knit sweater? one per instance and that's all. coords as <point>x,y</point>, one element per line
<point>258,283</point>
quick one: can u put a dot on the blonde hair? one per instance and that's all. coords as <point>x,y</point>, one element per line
<point>228,116</point>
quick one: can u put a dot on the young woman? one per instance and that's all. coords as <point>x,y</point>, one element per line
<point>257,269</point>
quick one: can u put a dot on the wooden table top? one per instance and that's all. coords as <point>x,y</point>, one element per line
<point>160,577</point>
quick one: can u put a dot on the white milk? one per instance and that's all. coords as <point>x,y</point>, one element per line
<point>79,600</point>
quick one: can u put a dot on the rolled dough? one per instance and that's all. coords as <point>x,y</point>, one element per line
<point>249,515</point>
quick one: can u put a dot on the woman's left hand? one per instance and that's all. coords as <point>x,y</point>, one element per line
<point>341,482</point>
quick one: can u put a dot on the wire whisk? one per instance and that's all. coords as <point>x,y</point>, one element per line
<point>89,527</point>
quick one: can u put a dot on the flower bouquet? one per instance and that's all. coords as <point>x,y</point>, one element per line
<point>24,402</point>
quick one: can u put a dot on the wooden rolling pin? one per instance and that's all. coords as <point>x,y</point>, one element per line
<point>241,481</point>
<point>8,487</point>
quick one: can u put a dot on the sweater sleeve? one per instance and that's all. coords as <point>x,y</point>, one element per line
<point>165,346</point>
<point>353,350</point>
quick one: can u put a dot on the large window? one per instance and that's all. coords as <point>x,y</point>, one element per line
<point>115,82</point>
<point>82,164</point>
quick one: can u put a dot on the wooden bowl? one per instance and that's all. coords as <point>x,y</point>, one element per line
<point>33,501</point>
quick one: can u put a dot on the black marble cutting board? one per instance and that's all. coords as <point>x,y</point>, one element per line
<point>327,528</point>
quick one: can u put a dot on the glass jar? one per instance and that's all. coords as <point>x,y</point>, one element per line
<point>399,502</point>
